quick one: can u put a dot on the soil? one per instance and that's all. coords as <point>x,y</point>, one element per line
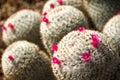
<point>9,7</point>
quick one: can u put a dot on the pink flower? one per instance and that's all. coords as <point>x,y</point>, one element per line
<point>3,28</point>
<point>86,57</point>
<point>60,2</point>
<point>118,13</point>
<point>52,5</point>
<point>95,40</point>
<point>55,60</point>
<point>81,29</point>
<point>54,47</point>
<point>45,13</point>
<point>44,19</point>
<point>10,57</point>
<point>10,25</point>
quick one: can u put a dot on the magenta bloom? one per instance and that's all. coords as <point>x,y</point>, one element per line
<point>10,25</point>
<point>10,57</point>
<point>55,60</point>
<point>52,5</point>
<point>44,19</point>
<point>45,13</point>
<point>60,2</point>
<point>85,57</point>
<point>118,13</point>
<point>54,47</point>
<point>95,40</point>
<point>81,29</point>
<point>3,28</point>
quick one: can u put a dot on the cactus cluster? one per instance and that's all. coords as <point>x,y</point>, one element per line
<point>84,55</point>
<point>23,60</point>
<point>75,53</point>
<point>58,22</point>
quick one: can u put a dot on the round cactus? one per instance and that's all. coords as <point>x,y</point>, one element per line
<point>100,11</point>
<point>23,25</point>
<point>84,55</point>
<point>23,60</point>
<point>112,29</point>
<point>50,4</point>
<point>58,22</point>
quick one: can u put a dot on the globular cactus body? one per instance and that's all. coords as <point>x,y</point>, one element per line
<point>84,55</point>
<point>23,25</point>
<point>100,11</point>
<point>23,60</point>
<point>58,22</point>
<point>112,29</point>
<point>51,4</point>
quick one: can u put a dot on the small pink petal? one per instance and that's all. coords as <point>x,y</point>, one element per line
<point>44,19</point>
<point>60,2</point>
<point>81,29</point>
<point>54,47</point>
<point>52,5</point>
<point>95,40</point>
<point>3,28</point>
<point>10,25</point>
<point>45,13</point>
<point>10,57</point>
<point>86,57</point>
<point>118,13</point>
<point>55,60</point>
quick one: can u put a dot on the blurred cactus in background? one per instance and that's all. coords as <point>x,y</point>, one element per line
<point>100,11</point>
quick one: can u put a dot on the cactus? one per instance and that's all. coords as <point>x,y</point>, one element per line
<point>50,4</point>
<point>23,60</point>
<point>58,22</point>
<point>84,55</point>
<point>100,11</point>
<point>112,29</point>
<point>23,25</point>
